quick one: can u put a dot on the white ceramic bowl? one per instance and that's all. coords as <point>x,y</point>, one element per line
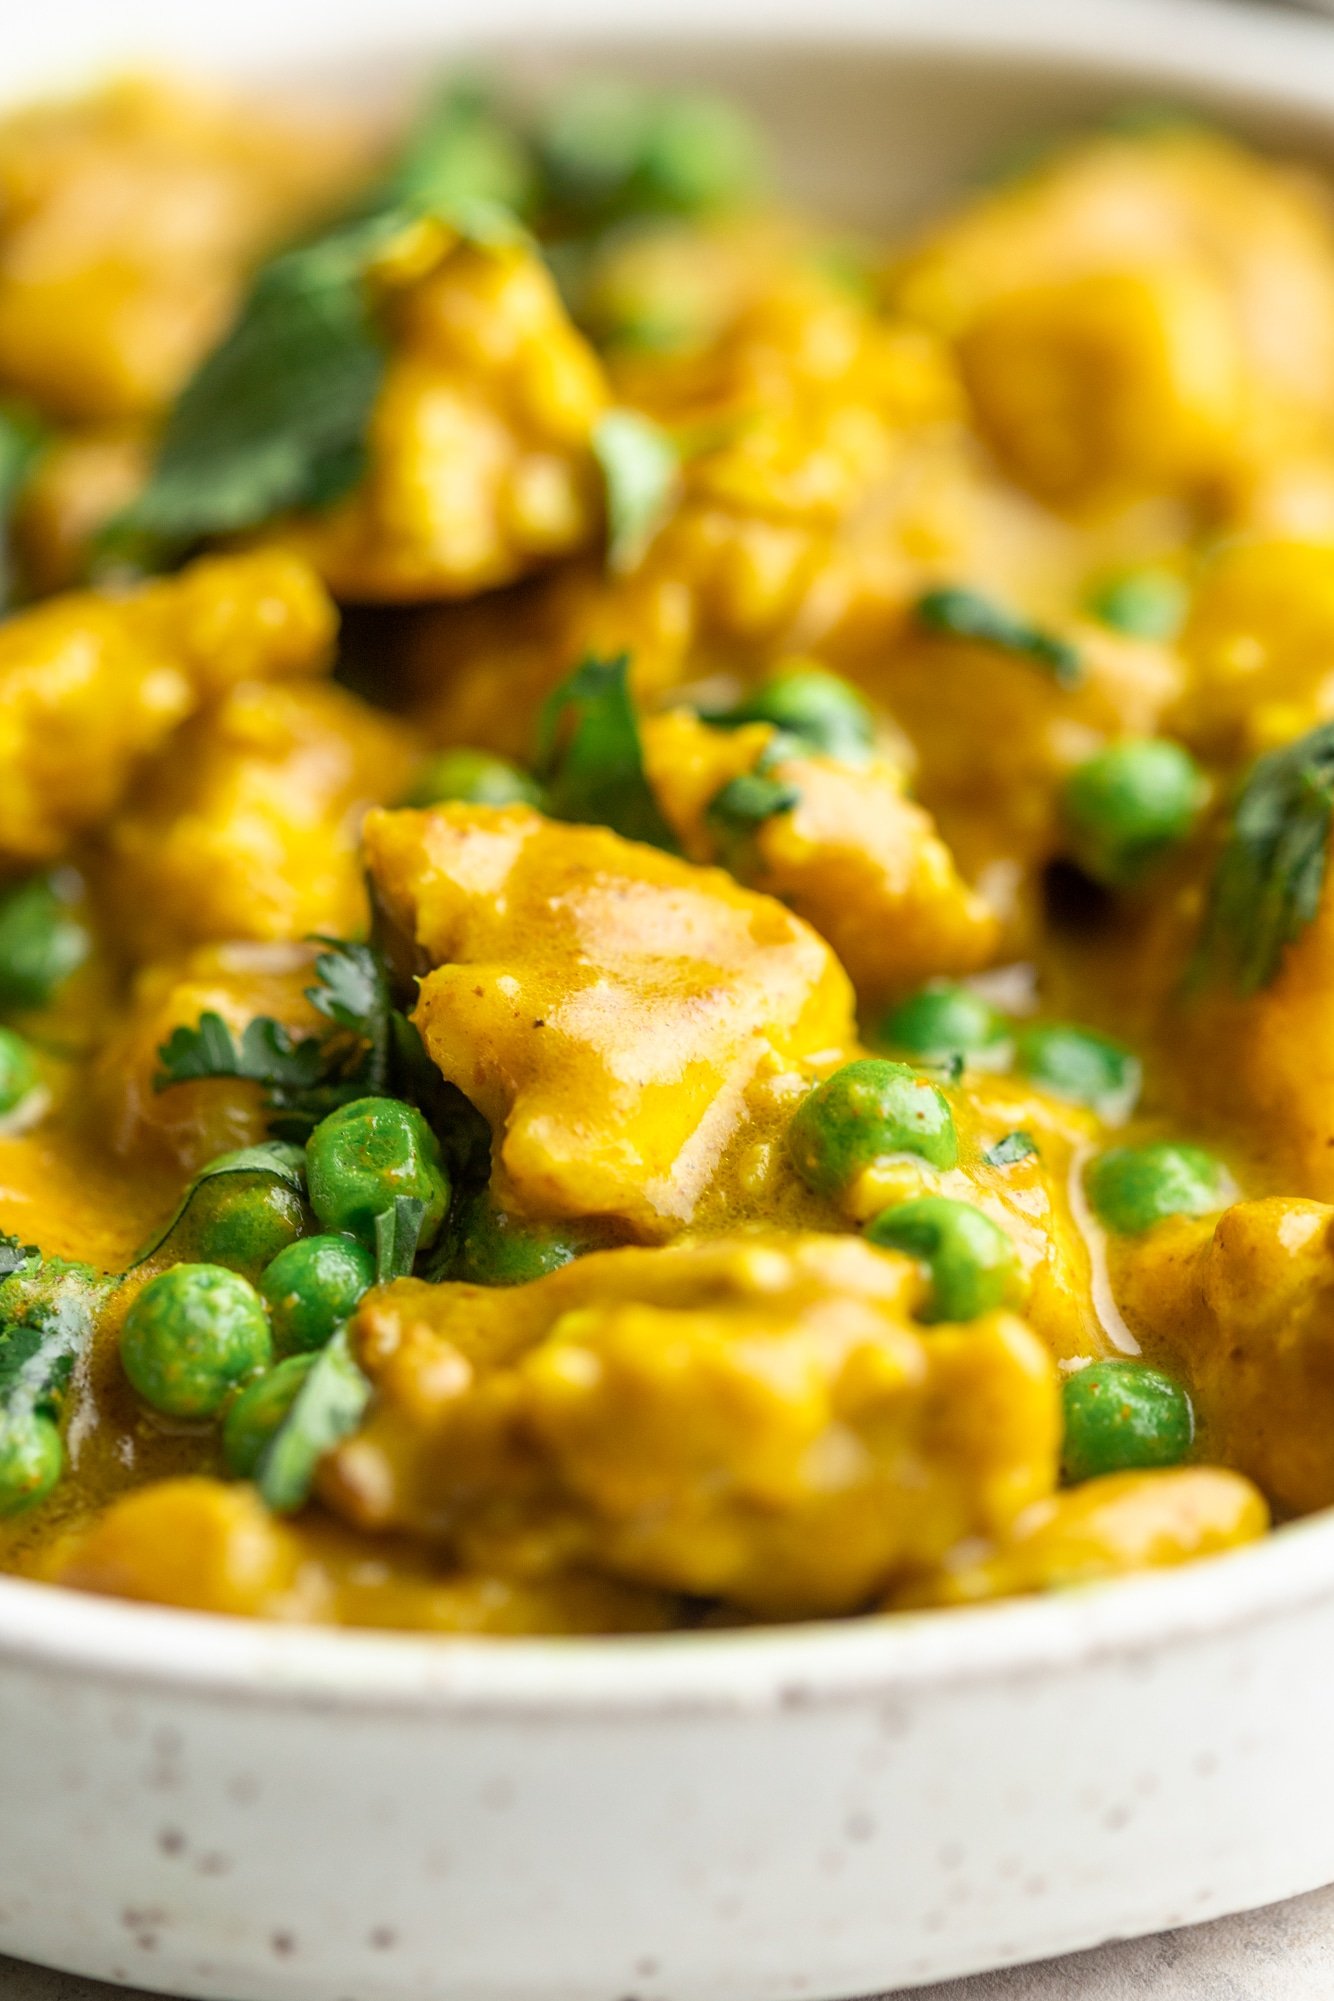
<point>262,1814</point>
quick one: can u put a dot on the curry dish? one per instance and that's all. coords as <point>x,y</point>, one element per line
<point>665,955</point>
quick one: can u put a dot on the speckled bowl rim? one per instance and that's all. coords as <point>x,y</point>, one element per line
<point>1263,63</point>
<point>817,1664</point>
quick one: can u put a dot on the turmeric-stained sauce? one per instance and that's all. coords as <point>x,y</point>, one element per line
<point>665,951</point>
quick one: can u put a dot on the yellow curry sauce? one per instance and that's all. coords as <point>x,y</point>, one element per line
<point>792,775</point>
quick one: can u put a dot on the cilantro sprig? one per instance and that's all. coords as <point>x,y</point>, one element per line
<point>48,1310</point>
<point>955,613</point>
<point>1269,878</point>
<point>23,439</point>
<point>591,758</point>
<point>641,471</point>
<point>303,1078</point>
<point>329,1406</point>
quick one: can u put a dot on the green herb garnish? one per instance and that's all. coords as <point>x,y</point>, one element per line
<point>641,468</point>
<point>274,418</point>
<point>1146,604</point>
<point>397,1234</point>
<point>591,757</point>
<point>747,801</point>
<point>302,1079</point>
<point>464,152</point>
<point>957,613</point>
<point>48,1309</point>
<point>1269,878</point>
<point>23,438</point>
<point>1010,1148</point>
<point>328,1406</point>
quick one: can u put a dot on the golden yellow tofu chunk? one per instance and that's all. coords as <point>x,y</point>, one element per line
<point>480,462</point>
<point>605,1006</point>
<point>93,683</point>
<point>1142,313</point>
<point>758,1421</point>
<point>197,1544</point>
<point>1259,643</point>
<point>1246,1305</point>
<point>1262,1063</point>
<point>129,220</point>
<point>248,825</point>
<point>78,482</point>
<point>861,862</point>
<point>1106,1528</point>
<point>996,733</point>
<point>825,480</point>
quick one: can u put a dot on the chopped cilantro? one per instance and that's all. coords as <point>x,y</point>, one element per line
<point>303,1080</point>
<point>591,758</point>
<point>956,613</point>
<point>1010,1148</point>
<point>1269,877</point>
<point>328,1406</point>
<point>22,441</point>
<point>641,468</point>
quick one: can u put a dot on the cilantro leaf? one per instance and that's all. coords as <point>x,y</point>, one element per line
<point>273,417</point>
<point>22,440</point>
<point>352,991</point>
<point>957,613</point>
<point>1010,1148</point>
<point>48,1310</point>
<point>13,1254</point>
<point>1269,877</point>
<point>747,801</point>
<point>641,470</point>
<point>591,758</point>
<point>397,1234</point>
<point>303,1079</point>
<point>463,152</point>
<point>328,1406</point>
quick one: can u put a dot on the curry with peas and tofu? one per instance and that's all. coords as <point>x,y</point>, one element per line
<point>666,951</point>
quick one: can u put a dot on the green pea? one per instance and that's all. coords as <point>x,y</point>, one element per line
<point>364,1155</point>
<point>1075,1063</point>
<point>592,137</point>
<point>254,1415</point>
<point>31,1459</point>
<point>818,708</point>
<point>18,1070</point>
<point>943,1020</point>
<point>700,153</point>
<point>311,1287</point>
<point>193,1334</point>
<point>970,1259</point>
<point>613,148</point>
<point>866,1110</point>
<point>1122,1417</point>
<point>1147,604</point>
<point>1134,1187</point>
<point>473,777</point>
<point>41,943</point>
<point>1129,804</point>
<point>499,1249</point>
<point>241,1221</point>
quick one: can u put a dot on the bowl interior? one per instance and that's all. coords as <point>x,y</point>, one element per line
<point>873,120</point>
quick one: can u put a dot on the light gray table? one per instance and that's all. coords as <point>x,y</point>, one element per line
<point>1285,1953</point>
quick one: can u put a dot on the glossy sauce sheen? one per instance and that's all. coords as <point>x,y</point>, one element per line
<point>1053,478</point>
